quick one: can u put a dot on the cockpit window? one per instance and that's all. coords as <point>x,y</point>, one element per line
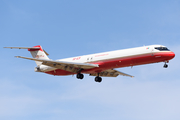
<point>162,48</point>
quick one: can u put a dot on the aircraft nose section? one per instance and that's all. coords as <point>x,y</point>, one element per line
<point>171,55</point>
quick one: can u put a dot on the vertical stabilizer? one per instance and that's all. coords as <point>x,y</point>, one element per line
<point>38,53</point>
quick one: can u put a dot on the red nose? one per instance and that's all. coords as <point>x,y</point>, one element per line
<point>171,55</point>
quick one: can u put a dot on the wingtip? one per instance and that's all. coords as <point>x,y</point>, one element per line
<point>17,56</point>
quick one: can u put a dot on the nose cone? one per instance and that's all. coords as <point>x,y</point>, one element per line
<point>171,55</point>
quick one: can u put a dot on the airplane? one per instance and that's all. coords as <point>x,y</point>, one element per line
<point>99,64</point>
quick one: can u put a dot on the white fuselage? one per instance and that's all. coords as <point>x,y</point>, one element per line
<point>111,55</point>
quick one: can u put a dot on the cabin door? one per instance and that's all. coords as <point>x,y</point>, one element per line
<point>152,51</point>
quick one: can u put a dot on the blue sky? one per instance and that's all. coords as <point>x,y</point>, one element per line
<point>72,28</point>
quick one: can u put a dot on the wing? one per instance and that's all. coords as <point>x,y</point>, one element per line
<point>110,73</point>
<point>68,66</point>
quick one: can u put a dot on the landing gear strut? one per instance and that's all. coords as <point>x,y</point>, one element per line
<point>80,76</point>
<point>98,79</point>
<point>165,65</point>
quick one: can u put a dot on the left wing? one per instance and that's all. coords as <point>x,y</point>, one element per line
<point>68,66</point>
<point>110,73</point>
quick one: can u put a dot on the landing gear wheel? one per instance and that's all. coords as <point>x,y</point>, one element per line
<point>98,79</point>
<point>80,76</point>
<point>165,65</point>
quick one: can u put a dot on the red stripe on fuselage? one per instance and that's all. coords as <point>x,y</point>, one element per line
<point>122,62</point>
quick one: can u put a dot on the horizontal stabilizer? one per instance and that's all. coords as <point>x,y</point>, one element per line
<point>29,48</point>
<point>34,48</point>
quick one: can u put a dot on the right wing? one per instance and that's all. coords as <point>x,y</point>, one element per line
<point>110,73</point>
<point>68,66</point>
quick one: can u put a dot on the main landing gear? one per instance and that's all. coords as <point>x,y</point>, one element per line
<point>80,76</point>
<point>165,65</point>
<point>98,79</point>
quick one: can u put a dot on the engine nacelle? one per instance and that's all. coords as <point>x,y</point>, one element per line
<point>37,69</point>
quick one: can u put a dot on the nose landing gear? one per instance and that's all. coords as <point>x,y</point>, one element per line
<point>165,65</point>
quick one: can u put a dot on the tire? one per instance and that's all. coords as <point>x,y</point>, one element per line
<point>81,76</point>
<point>98,79</point>
<point>78,76</point>
<point>165,66</point>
